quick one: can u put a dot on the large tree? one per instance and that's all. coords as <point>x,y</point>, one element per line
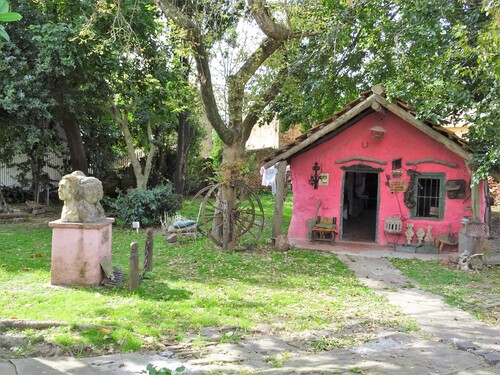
<point>90,71</point>
<point>252,86</point>
<point>141,83</point>
<point>27,98</point>
<point>50,71</point>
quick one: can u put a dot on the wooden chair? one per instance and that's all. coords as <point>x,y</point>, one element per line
<point>325,229</point>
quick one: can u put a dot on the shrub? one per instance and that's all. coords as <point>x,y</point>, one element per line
<point>146,206</point>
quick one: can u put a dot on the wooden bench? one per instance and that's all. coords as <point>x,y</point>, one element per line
<point>325,229</point>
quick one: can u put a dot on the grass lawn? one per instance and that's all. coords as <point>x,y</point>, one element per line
<point>474,291</point>
<point>192,285</point>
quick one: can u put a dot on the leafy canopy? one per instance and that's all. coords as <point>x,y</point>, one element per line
<point>7,16</point>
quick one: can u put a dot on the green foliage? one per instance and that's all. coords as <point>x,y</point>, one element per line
<point>146,206</point>
<point>249,164</point>
<point>7,16</point>
<point>440,57</point>
<point>34,67</point>
<point>200,172</point>
<point>231,337</point>
<point>216,152</point>
<point>323,344</point>
<point>152,370</point>
<point>68,62</point>
<point>279,359</point>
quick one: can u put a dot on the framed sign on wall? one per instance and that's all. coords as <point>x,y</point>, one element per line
<point>397,186</point>
<point>324,179</point>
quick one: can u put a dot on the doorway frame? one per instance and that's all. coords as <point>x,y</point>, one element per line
<point>359,168</point>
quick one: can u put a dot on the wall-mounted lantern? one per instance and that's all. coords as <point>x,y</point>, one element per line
<point>377,132</point>
<point>313,181</point>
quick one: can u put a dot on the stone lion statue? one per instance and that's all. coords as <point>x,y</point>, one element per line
<point>81,196</point>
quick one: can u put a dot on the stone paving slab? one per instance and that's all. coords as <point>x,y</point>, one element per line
<point>7,368</point>
<point>396,354</point>
<point>422,358</point>
<point>123,364</point>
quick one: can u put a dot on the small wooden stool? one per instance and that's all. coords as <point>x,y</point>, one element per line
<point>444,240</point>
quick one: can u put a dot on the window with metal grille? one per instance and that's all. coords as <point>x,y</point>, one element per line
<point>429,196</point>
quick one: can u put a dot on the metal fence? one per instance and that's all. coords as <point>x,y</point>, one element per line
<point>9,176</point>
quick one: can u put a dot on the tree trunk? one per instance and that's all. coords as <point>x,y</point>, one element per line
<point>75,143</point>
<point>161,166</point>
<point>230,170</point>
<point>67,119</point>
<point>36,166</point>
<point>184,135</point>
<point>141,175</point>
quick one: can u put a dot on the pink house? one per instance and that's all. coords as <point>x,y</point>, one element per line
<point>375,167</point>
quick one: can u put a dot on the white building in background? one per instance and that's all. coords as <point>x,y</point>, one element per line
<point>459,130</point>
<point>265,136</point>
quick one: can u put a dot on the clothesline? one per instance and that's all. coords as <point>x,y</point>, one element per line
<point>269,177</point>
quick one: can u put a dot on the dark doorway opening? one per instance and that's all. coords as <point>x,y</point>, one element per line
<point>359,206</point>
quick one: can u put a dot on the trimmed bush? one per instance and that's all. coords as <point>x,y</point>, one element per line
<point>146,206</point>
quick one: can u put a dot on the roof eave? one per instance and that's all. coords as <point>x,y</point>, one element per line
<point>365,104</point>
<point>329,127</point>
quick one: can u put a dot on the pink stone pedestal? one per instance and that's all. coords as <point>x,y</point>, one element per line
<point>77,251</point>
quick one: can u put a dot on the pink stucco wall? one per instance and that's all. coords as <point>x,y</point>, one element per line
<point>401,140</point>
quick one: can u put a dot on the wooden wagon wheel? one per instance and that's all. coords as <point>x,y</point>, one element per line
<point>246,217</point>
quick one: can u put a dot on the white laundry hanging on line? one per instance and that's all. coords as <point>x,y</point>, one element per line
<point>269,177</point>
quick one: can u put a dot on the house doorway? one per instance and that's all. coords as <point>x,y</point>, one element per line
<point>360,201</point>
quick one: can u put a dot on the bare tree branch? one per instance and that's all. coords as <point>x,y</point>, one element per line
<point>140,175</point>
<point>271,28</point>
<point>226,134</point>
<point>195,36</point>
<point>267,97</point>
<point>238,81</point>
<point>180,19</point>
<point>277,34</point>
<point>152,151</point>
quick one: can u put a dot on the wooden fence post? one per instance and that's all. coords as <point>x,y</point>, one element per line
<point>279,200</point>
<point>134,266</point>
<point>148,251</point>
